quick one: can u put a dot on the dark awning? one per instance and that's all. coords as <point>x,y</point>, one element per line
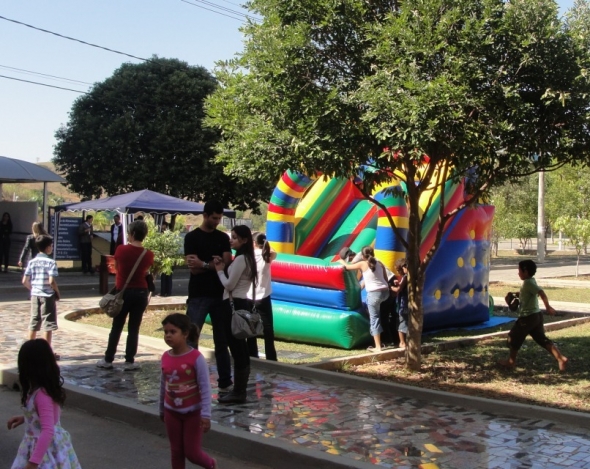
<point>12,170</point>
<point>141,201</point>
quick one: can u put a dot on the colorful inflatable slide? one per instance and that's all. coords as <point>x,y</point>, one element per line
<point>316,301</point>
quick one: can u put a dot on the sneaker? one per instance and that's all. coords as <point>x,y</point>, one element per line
<point>227,389</point>
<point>129,366</point>
<point>102,363</point>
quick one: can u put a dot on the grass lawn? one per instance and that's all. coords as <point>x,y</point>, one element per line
<point>573,295</point>
<point>288,352</point>
<point>473,371</point>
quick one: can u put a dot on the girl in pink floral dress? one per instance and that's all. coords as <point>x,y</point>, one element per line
<point>45,445</point>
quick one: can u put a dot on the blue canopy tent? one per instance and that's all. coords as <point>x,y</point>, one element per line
<point>141,201</point>
<point>128,205</point>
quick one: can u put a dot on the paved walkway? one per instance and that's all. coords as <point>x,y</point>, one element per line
<point>360,424</point>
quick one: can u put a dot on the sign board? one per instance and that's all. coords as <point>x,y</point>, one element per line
<point>66,242</point>
<point>229,223</point>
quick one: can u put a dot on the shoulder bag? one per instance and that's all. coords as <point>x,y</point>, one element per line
<point>112,303</point>
<point>245,324</point>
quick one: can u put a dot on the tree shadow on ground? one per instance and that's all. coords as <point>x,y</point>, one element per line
<point>474,370</point>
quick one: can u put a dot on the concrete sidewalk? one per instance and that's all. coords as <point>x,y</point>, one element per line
<point>297,416</point>
<point>101,443</point>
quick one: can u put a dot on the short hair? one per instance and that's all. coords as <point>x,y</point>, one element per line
<point>89,217</point>
<point>138,229</point>
<point>43,242</point>
<point>117,216</point>
<point>213,206</point>
<point>529,266</point>
<point>403,262</point>
<point>345,253</point>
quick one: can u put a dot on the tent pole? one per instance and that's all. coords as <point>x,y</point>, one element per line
<point>44,212</point>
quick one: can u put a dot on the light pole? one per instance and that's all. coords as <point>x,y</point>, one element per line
<point>541,218</point>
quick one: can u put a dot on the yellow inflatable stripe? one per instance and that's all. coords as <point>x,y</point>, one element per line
<point>283,187</point>
<point>280,217</point>
<point>388,258</point>
<point>310,197</point>
<point>400,222</point>
<point>284,248</point>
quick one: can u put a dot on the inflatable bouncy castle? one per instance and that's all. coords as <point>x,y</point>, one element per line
<point>316,301</point>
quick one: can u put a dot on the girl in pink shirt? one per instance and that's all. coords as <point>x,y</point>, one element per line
<point>45,445</point>
<point>185,393</point>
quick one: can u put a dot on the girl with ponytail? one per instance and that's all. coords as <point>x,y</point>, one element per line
<point>375,280</point>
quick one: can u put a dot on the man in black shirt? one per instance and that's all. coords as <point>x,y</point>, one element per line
<point>205,291</point>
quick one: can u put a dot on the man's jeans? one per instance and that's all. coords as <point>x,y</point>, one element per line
<point>197,310</point>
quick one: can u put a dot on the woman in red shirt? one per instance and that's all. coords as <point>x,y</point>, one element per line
<point>135,296</point>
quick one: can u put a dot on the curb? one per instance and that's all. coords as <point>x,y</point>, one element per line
<point>227,441</point>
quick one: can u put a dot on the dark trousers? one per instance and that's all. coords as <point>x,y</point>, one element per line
<point>264,307</point>
<point>86,257</point>
<point>237,347</point>
<point>388,317</point>
<point>4,252</point>
<point>197,310</point>
<point>165,285</point>
<point>135,303</point>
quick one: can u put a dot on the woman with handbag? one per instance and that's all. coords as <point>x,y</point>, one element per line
<point>241,274</point>
<point>132,262</point>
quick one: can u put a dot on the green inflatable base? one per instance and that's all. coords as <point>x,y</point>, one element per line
<point>319,326</point>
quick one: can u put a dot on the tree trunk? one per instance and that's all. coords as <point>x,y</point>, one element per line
<point>415,291</point>
<point>172,222</point>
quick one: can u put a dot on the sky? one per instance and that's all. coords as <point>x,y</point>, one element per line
<point>30,114</point>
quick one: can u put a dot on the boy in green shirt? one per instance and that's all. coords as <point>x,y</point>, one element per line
<point>530,317</point>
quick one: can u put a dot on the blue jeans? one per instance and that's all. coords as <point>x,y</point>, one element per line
<point>197,310</point>
<point>135,303</point>
<point>374,300</point>
<point>403,320</point>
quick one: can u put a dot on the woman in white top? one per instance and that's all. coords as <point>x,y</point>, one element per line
<point>264,255</point>
<point>375,278</point>
<point>241,274</point>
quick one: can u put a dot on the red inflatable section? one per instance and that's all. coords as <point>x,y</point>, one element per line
<point>308,275</point>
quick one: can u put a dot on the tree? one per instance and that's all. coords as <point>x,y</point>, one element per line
<point>166,246</point>
<point>490,90</point>
<point>577,230</point>
<point>568,193</point>
<point>142,129</point>
<point>516,209</point>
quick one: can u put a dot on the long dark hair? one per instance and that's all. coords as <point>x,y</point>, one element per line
<point>183,322</point>
<point>9,221</point>
<point>369,256</point>
<point>247,250</point>
<point>37,369</point>
<point>261,243</point>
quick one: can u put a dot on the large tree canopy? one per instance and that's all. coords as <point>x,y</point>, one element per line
<point>142,129</point>
<point>486,88</point>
